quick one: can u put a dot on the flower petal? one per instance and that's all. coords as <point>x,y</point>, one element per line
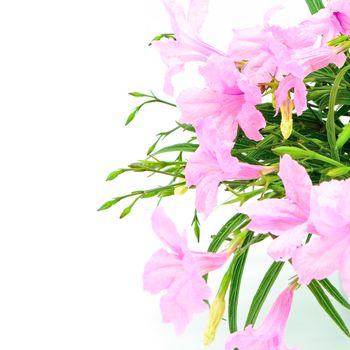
<point>184,298</point>
<point>160,271</point>
<point>273,215</point>
<point>297,183</point>
<point>283,247</point>
<point>345,273</point>
<point>166,230</point>
<point>319,258</point>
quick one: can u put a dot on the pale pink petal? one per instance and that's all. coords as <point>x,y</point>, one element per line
<point>287,84</point>
<point>283,247</point>
<point>184,298</point>
<point>197,13</point>
<point>273,215</point>
<point>248,172</point>
<point>251,121</point>
<point>196,103</point>
<point>160,271</point>
<point>270,335</point>
<point>207,262</point>
<point>277,318</point>
<point>319,258</point>
<point>166,230</point>
<point>330,208</point>
<point>341,10</point>
<point>345,272</point>
<point>297,183</point>
<point>207,193</point>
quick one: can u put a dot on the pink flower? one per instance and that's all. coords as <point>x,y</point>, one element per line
<point>187,47</point>
<point>179,273</point>
<point>211,164</point>
<point>287,218</point>
<point>330,250</point>
<point>341,11</point>
<point>229,98</point>
<point>270,335</point>
<point>282,93</point>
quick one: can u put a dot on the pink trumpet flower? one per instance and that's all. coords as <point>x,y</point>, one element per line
<point>179,273</point>
<point>329,251</point>
<point>228,98</point>
<point>270,335</point>
<point>211,164</point>
<point>287,218</point>
<point>187,47</point>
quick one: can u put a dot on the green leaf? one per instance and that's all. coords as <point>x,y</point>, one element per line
<point>161,36</point>
<point>196,226</point>
<point>235,285</point>
<point>314,5</point>
<point>334,292</point>
<point>262,292</point>
<point>180,147</point>
<point>327,306</point>
<point>235,223</point>
<point>331,136</point>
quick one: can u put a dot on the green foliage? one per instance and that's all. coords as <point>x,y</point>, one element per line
<point>235,285</point>
<point>327,306</point>
<point>314,5</point>
<point>262,292</point>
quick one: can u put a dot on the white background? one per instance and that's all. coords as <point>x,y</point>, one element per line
<point>71,278</point>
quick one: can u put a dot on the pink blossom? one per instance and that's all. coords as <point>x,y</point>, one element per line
<point>270,335</point>
<point>179,273</point>
<point>282,93</point>
<point>211,164</point>
<point>341,11</point>
<point>288,217</point>
<point>329,251</point>
<point>228,98</point>
<point>187,47</point>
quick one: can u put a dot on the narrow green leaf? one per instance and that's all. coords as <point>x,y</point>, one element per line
<point>331,135</point>
<point>262,292</point>
<point>235,285</point>
<point>327,306</point>
<point>235,223</point>
<point>314,5</point>
<point>334,292</point>
<point>196,226</point>
<point>180,147</point>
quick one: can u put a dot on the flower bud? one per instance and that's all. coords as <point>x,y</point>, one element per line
<point>180,190</point>
<point>287,118</point>
<point>216,314</point>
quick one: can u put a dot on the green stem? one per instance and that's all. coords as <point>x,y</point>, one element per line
<point>331,134</point>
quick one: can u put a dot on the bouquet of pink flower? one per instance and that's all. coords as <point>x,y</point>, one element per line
<point>270,125</point>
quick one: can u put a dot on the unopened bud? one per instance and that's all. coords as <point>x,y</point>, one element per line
<point>216,314</point>
<point>287,118</point>
<point>180,190</point>
<point>340,171</point>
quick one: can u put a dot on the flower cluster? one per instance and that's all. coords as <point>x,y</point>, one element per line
<point>303,207</point>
